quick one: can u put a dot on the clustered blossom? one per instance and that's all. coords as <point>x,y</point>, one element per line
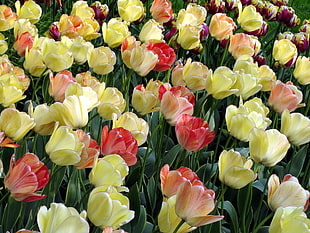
<point>112,99</point>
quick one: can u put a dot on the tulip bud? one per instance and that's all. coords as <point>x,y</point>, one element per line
<point>115,32</point>
<point>161,11</point>
<point>221,26</point>
<point>130,10</point>
<point>29,10</point>
<point>7,18</point>
<point>249,19</point>
<point>101,60</point>
<point>302,69</point>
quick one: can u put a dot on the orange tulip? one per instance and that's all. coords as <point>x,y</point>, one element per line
<point>59,84</point>
<point>119,141</point>
<point>221,26</point>
<point>171,180</point>
<point>194,203</point>
<point>193,133</point>
<point>161,11</point>
<point>6,142</point>
<point>25,177</point>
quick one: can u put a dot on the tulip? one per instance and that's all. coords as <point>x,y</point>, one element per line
<point>189,37</point>
<point>34,61</point>
<point>221,26</point>
<point>170,181</point>
<point>301,40</point>
<point>215,6</point>
<point>168,221</point>
<point>176,102</point>
<point>25,177</point>
<point>285,96</point>
<point>59,218</point>
<point>101,60</point>
<point>302,69</point>
<point>72,112</point>
<point>23,41</point>
<point>166,55</point>
<point>241,44</point>
<point>29,10</point>
<point>193,133</point>
<point>111,102</point>
<point>287,193</point>
<point>289,219</point>
<point>101,11</point>
<point>235,170</point>
<point>287,16</point>
<point>240,121</point>
<point>266,77</point>
<point>285,52</point>
<point>64,147</point>
<point>249,19</point>
<point>220,82</point>
<point>3,44</point>
<point>161,11</point>
<point>90,151</point>
<point>15,124</point>
<point>7,18</point>
<point>137,57</point>
<point>59,84</point>
<point>194,203</point>
<point>110,170</point>
<point>130,10</point>
<point>267,147</point>
<point>78,47</point>
<point>144,101</point>
<point>43,118</point>
<point>194,74</point>
<point>194,15</point>
<point>119,141</point>
<point>138,127</point>
<point>107,207</point>
<point>151,32</point>
<point>296,127</point>
<point>115,32</point>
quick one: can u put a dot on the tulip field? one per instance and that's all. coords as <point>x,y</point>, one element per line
<point>149,116</point>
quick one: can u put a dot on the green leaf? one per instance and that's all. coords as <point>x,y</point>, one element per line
<point>11,215</point>
<point>230,209</point>
<point>296,164</point>
<point>72,195</point>
<point>172,154</point>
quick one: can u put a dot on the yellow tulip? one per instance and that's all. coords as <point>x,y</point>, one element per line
<point>267,147</point>
<point>194,15</point>
<point>302,69</point>
<point>138,127</point>
<point>235,170</point>
<point>106,207</point>
<point>285,52</point>
<point>249,19</point>
<point>220,82</point>
<point>89,96</point>
<point>189,37</point>
<point>266,77</point>
<point>111,102</point>
<point>29,10</point>
<point>151,31</point>
<point>246,84</point>
<point>59,218</point>
<point>168,219</point>
<point>240,121</point>
<point>34,61</point>
<point>72,112</point>
<point>110,170</point>
<point>287,193</point>
<point>114,32</point>
<point>296,127</point>
<point>7,18</point>
<point>15,124</point>
<point>130,10</point>
<point>44,120</point>
<point>101,60</point>
<point>289,219</point>
<point>64,147</point>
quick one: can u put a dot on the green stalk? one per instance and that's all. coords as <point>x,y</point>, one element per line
<point>178,226</point>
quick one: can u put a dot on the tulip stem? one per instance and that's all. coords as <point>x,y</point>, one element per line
<point>4,197</point>
<point>178,226</point>
<point>262,222</point>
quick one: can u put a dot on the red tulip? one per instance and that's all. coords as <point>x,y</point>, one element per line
<point>119,141</point>
<point>171,180</point>
<point>194,203</point>
<point>25,177</point>
<point>166,55</point>
<point>193,133</point>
